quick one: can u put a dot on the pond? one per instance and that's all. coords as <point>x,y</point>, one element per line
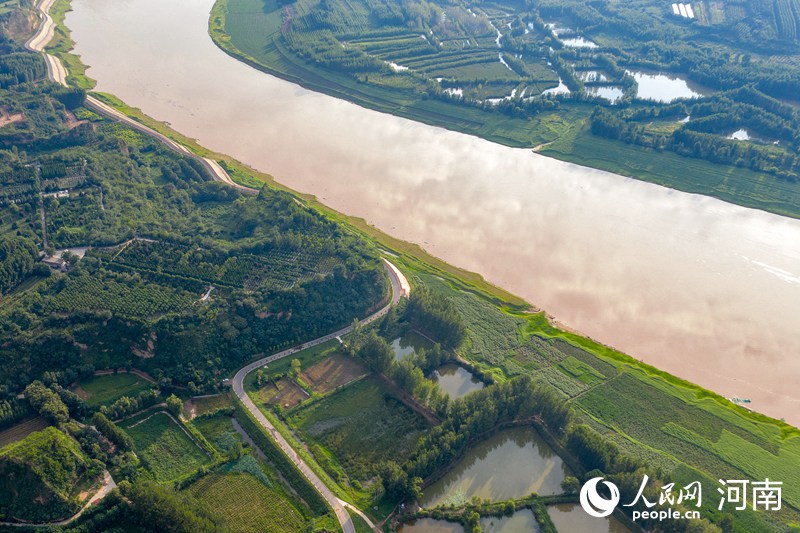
<point>591,75</point>
<point>409,343</point>
<point>578,42</point>
<point>510,464</point>
<point>664,87</point>
<point>571,517</point>
<point>610,93</point>
<point>429,525</point>
<point>561,88</point>
<point>456,380</point>
<point>520,521</point>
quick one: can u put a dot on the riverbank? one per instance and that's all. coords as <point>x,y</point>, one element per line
<point>692,372</point>
<point>563,134</point>
<point>647,388</point>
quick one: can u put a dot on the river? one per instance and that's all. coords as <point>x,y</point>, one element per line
<point>703,289</point>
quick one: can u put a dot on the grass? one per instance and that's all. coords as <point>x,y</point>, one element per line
<point>210,404</point>
<point>359,523</point>
<point>105,390</point>
<point>357,428</point>
<point>164,446</point>
<point>218,430</point>
<point>61,44</point>
<point>246,504</point>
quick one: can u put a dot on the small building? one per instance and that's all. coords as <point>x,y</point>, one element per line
<point>55,262</point>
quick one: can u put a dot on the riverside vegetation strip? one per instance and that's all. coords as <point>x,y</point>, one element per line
<point>352,50</point>
<point>698,434</point>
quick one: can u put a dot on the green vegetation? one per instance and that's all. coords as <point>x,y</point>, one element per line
<point>246,504</point>
<point>61,47</point>
<point>481,68</point>
<point>316,504</point>
<point>274,262</point>
<point>164,447</point>
<point>106,389</point>
<point>38,476</point>
<point>357,428</point>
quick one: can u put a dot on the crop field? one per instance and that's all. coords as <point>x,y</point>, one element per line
<point>246,504</point>
<point>332,372</point>
<point>360,426</point>
<point>106,389</point>
<point>200,406</point>
<point>164,446</point>
<point>278,269</point>
<point>218,430</point>
<point>283,392</point>
<point>133,298</point>
<point>672,170</point>
<point>22,430</point>
<point>684,431</point>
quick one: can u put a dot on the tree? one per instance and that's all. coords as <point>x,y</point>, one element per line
<point>174,405</point>
<point>47,402</point>
<point>296,365</point>
<point>376,352</point>
<point>570,485</point>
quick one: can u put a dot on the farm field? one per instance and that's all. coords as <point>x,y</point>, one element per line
<point>164,447</point>
<point>687,432</point>
<point>218,430</point>
<point>201,406</point>
<point>481,70</point>
<point>332,372</point>
<point>87,293</point>
<point>105,389</point>
<point>247,504</point>
<point>283,392</point>
<point>21,430</point>
<point>360,425</point>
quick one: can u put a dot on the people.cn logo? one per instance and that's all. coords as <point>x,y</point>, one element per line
<point>593,503</point>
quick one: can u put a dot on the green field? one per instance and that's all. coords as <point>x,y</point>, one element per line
<point>348,57</point>
<point>208,405</point>
<point>218,430</point>
<point>358,427</point>
<point>247,504</point>
<point>690,433</point>
<point>106,389</point>
<point>141,299</point>
<point>164,447</point>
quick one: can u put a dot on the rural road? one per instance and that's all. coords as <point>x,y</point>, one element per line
<point>400,288</point>
<point>108,486</point>
<point>57,73</point>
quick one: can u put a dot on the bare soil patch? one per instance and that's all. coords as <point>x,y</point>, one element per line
<point>331,373</point>
<point>284,392</point>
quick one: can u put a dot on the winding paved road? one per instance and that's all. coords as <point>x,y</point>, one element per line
<point>400,288</point>
<point>57,73</point>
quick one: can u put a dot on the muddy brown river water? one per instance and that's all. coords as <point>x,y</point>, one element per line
<point>703,289</point>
